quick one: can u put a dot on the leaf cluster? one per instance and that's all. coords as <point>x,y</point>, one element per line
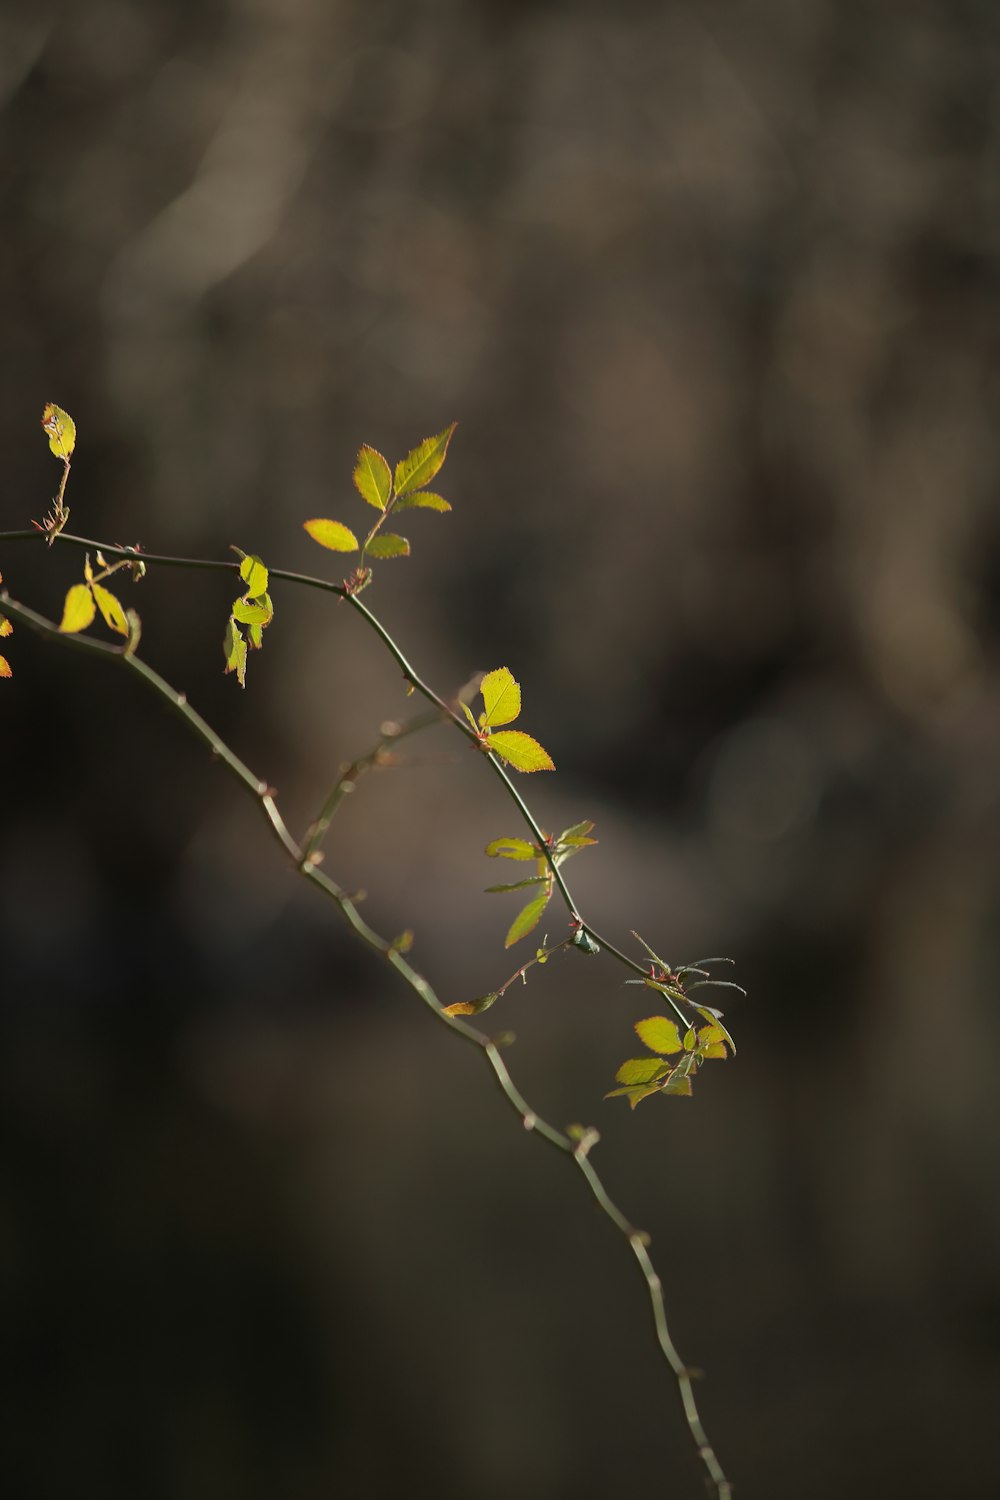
<point>501,705</point>
<point>250,617</point>
<point>542,883</point>
<point>388,491</point>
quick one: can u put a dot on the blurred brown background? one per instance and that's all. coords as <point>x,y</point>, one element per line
<point>713,292</point>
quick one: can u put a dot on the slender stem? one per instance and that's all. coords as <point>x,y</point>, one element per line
<point>577,1147</point>
<point>410,674</point>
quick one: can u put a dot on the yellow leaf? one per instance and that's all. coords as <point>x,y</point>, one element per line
<point>419,467</point>
<point>501,696</point>
<point>5,667</point>
<point>60,430</point>
<point>372,477</point>
<point>114,615</point>
<point>6,628</point>
<point>520,751</point>
<point>78,610</point>
<point>333,535</point>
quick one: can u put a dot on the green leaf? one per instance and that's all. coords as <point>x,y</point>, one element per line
<point>234,648</point>
<point>512,849</point>
<point>527,918</point>
<point>472,1007</point>
<point>78,610</point>
<point>249,612</point>
<point>659,1034</point>
<point>714,1020</point>
<point>255,636</point>
<point>634,1095</point>
<point>501,697</point>
<point>677,1086</point>
<point>467,711</point>
<point>388,544</point>
<point>372,477</point>
<point>709,1034</point>
<point>422,463</point>
<point>690,1039</point>
<point>333,535</point>
<point>423,499</point>
<point>60,429</point>
<point>520,751</point>
<point>254,575</point>
<point>577,832</point>
<point>641,1070</point>
<point>114,615</point>
<point>713,1050</point>
<point>517,885</point>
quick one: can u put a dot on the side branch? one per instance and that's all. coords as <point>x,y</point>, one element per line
<point>577,1144</point>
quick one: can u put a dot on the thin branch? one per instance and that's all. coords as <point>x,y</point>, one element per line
<point>578,1145</point>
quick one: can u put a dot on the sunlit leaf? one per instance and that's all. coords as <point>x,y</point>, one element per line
<point>714,1017</point>
<point>422,463</point>
<point>388,544</point>
<point>5,667</point>
<point>521,751</point>
<point>78,610</point>
<point>641,1070</point>
<point>469,715</point>
<point>677,1086</point>
<point>501,697</point>
<point>372,477</point>
<point>659,1034</point>
<point>6,628</point>
<point>248,612</point>
<point>423,499</point>
<point>333,535</point>
<point>472,1007</point>
<point>690,1038</point>
<point>714,1049</point>
<point>709,1034</point>
<point>634,1095</point>
<point>578,831</point>
<point>60,429</point>
<point>254,575</point>
<point>526,919</point>
<point>512,849</point>
<point>111,610</point>
<point>235,651</point>
<point>134,631</point>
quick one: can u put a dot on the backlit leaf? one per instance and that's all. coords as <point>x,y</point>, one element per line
<point>333,535</point>
<point>60,429</point>
<point>578,831</point>
<point>423,499</point>
<point>659,1034</point>
<point>249,612</point>
<point>114,615</point>
<point>234,648</point>
<point>472,1007</point>
<point>388,544</point>
<point>713,1017</point>
<point>511,849</point>
<point>641,1070</point>
<point>78,610</point>
<point>517,885</point>
<point>677,1086</point>
<point>6,628</point>
<point>5,667</point>
<point>526,919</point>
<point>422,463</point>
<point>372,477</point>
<point>520,751</point>
<point>714,1049</point>
<point>709,1034</point>
<point>634,1095</point>
<point>501,696</point>
<point>254,575</point>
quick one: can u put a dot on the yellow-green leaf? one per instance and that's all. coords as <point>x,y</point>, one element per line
<point>114,615</point>
<point>60,430</point>
<point>423,500</point>
<point>78,610</point>
<point>419,466</point>
<point>333,535</point>
<point>254,575</point>
<point>511,849</point>
<point>5,667</point>
<point>501,697</point>
<point>641,1070</point>
<point>372,477</point>
<point>249,612</point>
<point>388,544</point>
<point>659,1034</point>
<point>714,1020</point>
<point>527,918</point>
<point>6,628</point>
<point>634,1094</point>
<point>714,1049</point>
<point>520,751</point>
<point>234,649</point>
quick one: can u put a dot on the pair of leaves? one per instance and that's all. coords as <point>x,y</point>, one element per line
<point>642,1076</point>
<point>569,842</point>
<point>83,601</point>
<point>501,705</point>
<point>387,492</point>
<point>254,612</point>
